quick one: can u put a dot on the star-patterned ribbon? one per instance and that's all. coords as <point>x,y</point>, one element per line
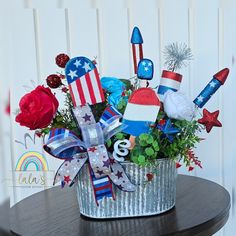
<point>104,168</point>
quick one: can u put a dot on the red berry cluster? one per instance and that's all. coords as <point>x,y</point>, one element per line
<point>62,59</point>
<point>194,160</point>
<point>54,80</point>
<point>149,176</point>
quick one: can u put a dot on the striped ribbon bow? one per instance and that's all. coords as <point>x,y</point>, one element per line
<point>103,168</point>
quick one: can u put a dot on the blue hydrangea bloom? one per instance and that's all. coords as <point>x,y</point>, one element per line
<point>114,87</point>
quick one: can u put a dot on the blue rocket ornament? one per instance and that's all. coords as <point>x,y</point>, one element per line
<point>218,80</point>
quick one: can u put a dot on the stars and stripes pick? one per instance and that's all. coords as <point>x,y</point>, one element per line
<point>84,82</point>
<point>141,111</point>
<point>169,81</point>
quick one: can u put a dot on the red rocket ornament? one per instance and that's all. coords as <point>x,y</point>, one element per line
<point>209,119</point>
<point>137,47</point>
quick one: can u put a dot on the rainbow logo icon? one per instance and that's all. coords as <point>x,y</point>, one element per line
<point>32,158</point>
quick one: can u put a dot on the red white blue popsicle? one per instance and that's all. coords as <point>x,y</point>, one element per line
<point>141,111</point>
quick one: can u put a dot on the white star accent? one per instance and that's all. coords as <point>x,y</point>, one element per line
<point>149,64</point>
<point>86,67</point>
<point>200,98</point>
<point>146,68</point>
<point>143,63</point>
<point>73,74</point>
<point>77,63</point>
<point>212,84</point>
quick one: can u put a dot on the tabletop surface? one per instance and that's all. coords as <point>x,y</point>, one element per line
<point>202,208</point>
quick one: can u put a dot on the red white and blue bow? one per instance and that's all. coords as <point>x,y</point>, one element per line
<point>104,169</point>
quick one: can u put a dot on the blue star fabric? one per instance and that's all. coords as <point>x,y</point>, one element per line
<point>168,130</point>
<point>145,69</point>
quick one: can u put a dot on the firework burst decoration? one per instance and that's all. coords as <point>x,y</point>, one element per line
<point>177,55</point>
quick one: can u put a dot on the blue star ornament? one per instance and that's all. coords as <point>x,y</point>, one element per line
<point>168,130</point>
<point>145,69</point>
<point>136,37</point>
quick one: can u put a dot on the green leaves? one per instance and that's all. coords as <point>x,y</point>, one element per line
<point>120,136</point>
<point>153,146</point>
<point>149,151</point>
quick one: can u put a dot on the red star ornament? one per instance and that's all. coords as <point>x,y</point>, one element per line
<point>209,119</point>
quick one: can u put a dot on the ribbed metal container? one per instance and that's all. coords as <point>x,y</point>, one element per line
<point>150,198</point>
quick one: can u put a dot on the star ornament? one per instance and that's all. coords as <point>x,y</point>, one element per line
<point>168,130</point>
<point>209,119</point>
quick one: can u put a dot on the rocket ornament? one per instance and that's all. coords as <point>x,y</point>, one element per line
<point>218,80</point>
<point>141,111</point>
<point>137,47</point>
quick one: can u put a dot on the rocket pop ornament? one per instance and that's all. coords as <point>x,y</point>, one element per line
<point>218,80</point>
<point>141,111</point>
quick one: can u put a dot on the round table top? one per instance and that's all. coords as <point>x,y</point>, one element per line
<point>202,208</point>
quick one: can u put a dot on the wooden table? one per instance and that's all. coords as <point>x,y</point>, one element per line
<point>202,208</point>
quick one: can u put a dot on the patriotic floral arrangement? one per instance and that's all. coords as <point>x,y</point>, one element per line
<point>106,121</point>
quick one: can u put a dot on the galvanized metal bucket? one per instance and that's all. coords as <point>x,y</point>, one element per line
<point>150,198</point>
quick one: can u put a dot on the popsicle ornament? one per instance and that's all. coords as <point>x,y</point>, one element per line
<point>84,82</point>
<point>218,80</point>
<point>141,111</point>
<point>137,47</point>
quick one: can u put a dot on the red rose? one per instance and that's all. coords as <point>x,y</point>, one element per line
<point>37,108</point>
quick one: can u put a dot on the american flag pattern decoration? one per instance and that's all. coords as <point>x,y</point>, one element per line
<point>84,82</point>
<point>137,47</point>
<point>169,81</point>
<point>102,187</point>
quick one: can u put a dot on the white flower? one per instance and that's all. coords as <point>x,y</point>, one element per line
<point>178,106</point>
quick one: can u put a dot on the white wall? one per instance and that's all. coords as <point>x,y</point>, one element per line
<point>33,32</point>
